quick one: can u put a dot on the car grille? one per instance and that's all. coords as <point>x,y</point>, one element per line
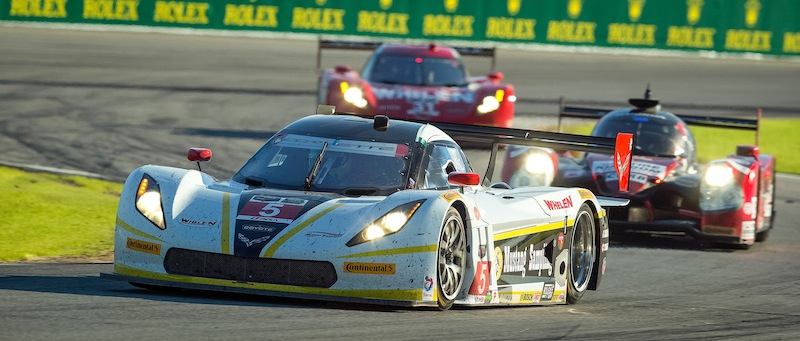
<point>261,270</point>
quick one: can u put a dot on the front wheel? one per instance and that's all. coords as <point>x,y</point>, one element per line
<point>583,254</point>
<point>451,259</point>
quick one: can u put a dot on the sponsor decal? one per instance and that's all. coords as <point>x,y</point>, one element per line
<point>450,196</point>
<point>250,243</point>
<point>200,223</point>
<point>259,228</point>
<point>271,209</point>
<point>498,261</point>
<point>547,291</point>
<point>370,268</point>
<point>529,259</point>
<point>605,247</point>
<point>748,230</point>
<point>586,194</point>
<point>561,240</point>
<point>323,234</point>
<point>143,246</point>
<point>562,297</point>
<point>559,204</point>
<point>603,268</point>
<point>427,288</point>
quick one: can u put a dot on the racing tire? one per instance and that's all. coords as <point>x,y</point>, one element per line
<point>582,254</point>
<point>451,259</point>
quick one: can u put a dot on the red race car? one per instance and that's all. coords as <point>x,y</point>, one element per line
<point>728,200</point>
<point>419,82</point>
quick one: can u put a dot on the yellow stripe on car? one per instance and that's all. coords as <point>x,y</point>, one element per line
<point>226,223</point>
<point>398,251</point>
<point>532,230</point>
<point>270,252</point>
<point>133,230</point>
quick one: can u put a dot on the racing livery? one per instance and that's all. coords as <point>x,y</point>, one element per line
<point>421,82</point>
<point>727,201</point>
<point>348,208</point>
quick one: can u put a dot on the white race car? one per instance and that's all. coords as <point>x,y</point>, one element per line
<point>375,210</point>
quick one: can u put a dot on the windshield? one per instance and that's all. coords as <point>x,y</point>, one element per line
<point>652,135</point>
<point>347,167</point>
<point>409,70</point>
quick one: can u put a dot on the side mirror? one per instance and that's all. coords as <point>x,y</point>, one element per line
<point>463,179</point>
<point>747,150</point>
<point>495,76</point>
<point>199,154</point>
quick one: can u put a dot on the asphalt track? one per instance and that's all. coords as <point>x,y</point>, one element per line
<point>107,102</point>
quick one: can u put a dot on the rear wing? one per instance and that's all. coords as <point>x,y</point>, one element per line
<point>702,121</point>
<point>368,46</point>
<point>621,146</point>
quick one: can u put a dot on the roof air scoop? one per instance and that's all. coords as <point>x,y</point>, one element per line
<point>381,122</point>
<point>646,104</point>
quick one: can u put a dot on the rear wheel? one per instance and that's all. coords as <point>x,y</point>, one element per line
<point>451,259</point>
<point>583,254</point>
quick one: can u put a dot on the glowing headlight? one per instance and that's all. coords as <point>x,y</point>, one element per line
<point>539,163</point>
<point>389,223</point>
<point>148,201</point>
<point>355,97</point>
<point>490,103</point>
<point>718,175</point>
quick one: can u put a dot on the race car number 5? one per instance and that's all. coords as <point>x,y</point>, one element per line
<point>481,282</point>
<point>270,210</point>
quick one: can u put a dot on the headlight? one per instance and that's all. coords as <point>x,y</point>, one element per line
<point>353,96</point>
<point>539,163</point>
<point>490,103</point>
<point>719,191</point>
<point>718,175</point>
<point>538,170</point>
<point>148,201</point>
<point>388,224</point>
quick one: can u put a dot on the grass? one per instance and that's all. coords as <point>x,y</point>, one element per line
<point>778,137</point>
<point>46,215</point>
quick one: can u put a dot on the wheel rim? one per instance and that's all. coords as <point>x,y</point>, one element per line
<point>582,252</point>
<point>452,249</point>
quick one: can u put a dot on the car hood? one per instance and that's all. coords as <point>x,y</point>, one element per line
<point>645,172</point>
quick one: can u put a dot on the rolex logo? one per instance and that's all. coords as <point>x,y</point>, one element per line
<point>751,9</point>
<point>320,2</point>
<point>574,8</point>
<point>694,9</point>
<point>513,7</point>
<point>635,8</point>
<point>385,4</point>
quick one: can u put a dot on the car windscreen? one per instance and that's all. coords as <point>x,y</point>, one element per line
<point>346,167</point>
<point>653,136</point>
<point>409,70</point>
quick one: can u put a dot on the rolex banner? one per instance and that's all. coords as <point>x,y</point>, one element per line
<point>761,26</point>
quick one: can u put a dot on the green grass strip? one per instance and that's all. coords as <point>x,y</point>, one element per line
<point>45,215</point>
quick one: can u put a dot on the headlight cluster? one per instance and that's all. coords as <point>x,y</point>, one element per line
<point>491,103</point>
<point>388,224</point>
<point>148,201</point>
<point>353,96</point>
<point>538,170</point>
<point>719,191</point>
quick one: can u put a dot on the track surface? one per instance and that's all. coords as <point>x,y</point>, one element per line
<point>109,102</point>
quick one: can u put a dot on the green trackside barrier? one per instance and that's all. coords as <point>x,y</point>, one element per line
<point>738,26</point>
